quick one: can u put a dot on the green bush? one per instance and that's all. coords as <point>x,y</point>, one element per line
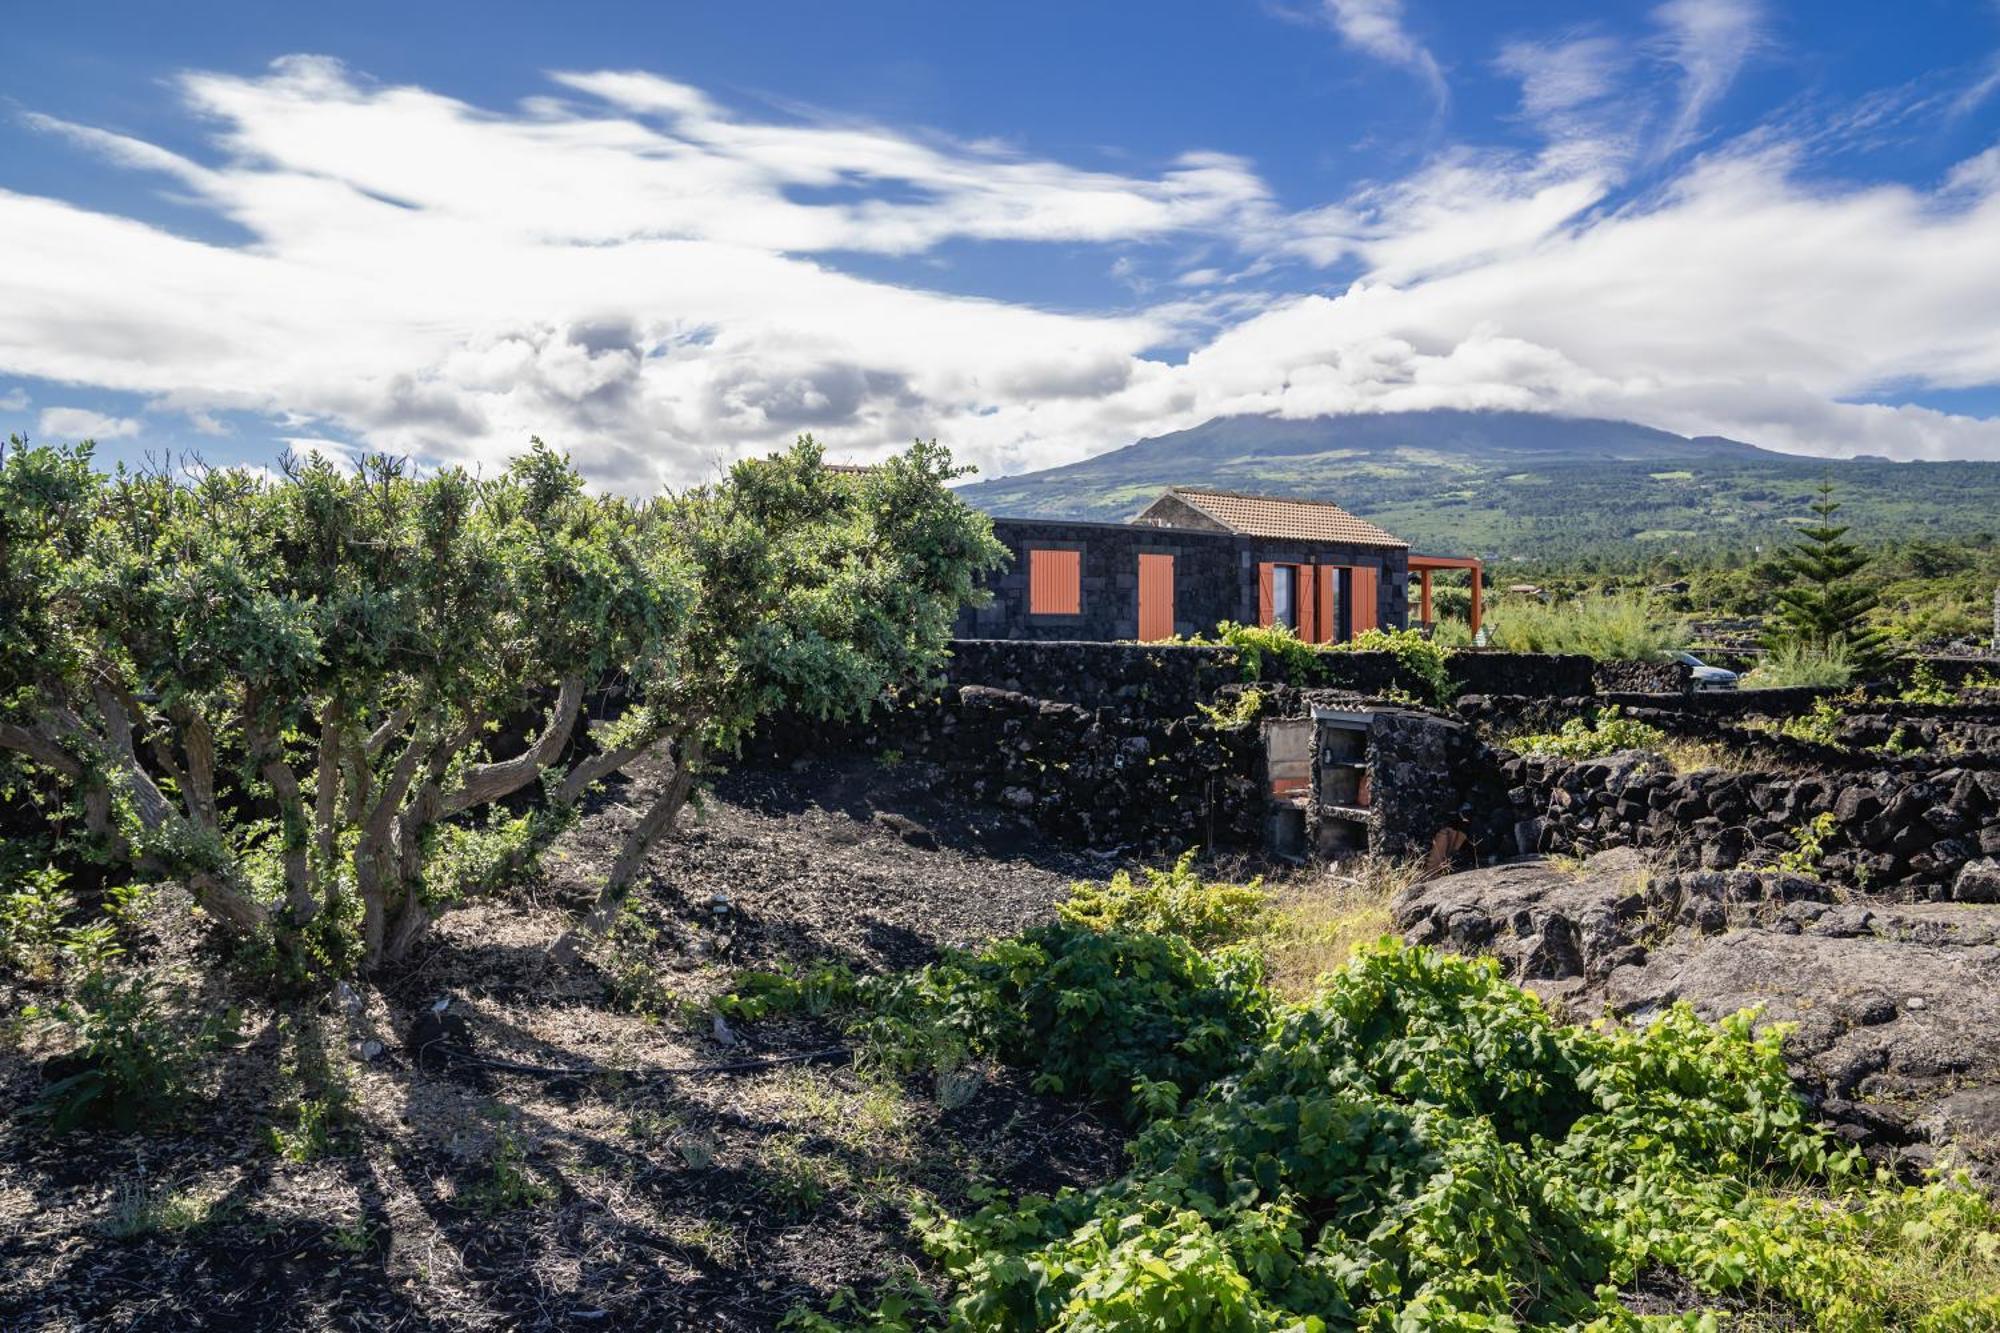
<point>1420,658</point>
<point>1422,1146</point>
<point>1581,738</point>
<point>1801,664</point>
<point>32,910</point>
<point>1927,687</point>
<point>1176,901</point>
<point>1259,648</point>
<point>134,1051</point>
<point>1111,1015</point>
<point>1612,627</point>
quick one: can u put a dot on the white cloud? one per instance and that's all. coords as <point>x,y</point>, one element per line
<point>1560,79</point>
<point>14,400</point>
<point>1376,27</point>
<point>643,278</point>
<point>1709,40</point>
<point>78,423</point>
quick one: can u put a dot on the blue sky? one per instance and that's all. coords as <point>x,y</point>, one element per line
<point>665,235</point>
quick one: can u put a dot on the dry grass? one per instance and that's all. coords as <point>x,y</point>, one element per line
<point>1691,756</point>
<point>1317,921</point>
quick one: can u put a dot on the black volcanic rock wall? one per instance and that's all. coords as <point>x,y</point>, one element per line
<point>1924,828</point>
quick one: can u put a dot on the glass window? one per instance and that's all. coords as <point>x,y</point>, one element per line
<point>1284,600</point>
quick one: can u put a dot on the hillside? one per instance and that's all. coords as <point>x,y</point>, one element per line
<point>1517,483</point>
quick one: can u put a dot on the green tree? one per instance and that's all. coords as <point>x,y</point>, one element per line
<point>294,694</point>
<point>1820,604</point>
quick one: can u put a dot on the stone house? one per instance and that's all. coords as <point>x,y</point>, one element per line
<point>1196,557</point>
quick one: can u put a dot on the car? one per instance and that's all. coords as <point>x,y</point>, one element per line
<point>1706,677</point>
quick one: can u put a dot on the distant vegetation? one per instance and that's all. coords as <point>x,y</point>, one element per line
<point>1624,626</point>
<point>1522,488</point>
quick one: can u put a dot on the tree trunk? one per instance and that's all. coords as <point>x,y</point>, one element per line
<point>658,819</point>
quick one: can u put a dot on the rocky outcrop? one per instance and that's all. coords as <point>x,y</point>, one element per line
<point>1895,1007</point>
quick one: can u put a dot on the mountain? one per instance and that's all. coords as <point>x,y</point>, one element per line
<point>1518,484</point>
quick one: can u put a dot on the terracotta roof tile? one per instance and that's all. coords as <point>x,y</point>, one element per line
<point>1269,516</point>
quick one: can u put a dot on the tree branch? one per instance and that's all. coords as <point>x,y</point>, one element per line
<point>489,782</point>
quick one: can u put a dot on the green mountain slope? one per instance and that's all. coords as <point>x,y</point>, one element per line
<point>1505,484</point>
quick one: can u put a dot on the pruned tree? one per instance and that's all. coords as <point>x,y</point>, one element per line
<point>287,693</point>
<point>1821,604</point>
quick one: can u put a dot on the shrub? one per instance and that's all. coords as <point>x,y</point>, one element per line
<point>1259,648</point>
<point>1800,664</point>
<point>1104,1014</point>
<point>1821,725</point>
<point>1579,738</point>
<point>32,910</point>
<point>134,1052</point>
<point>1809,844</point>
<point>1176,901</point>
<point>357,649</point>
<point>1927,687</point>
<point>1420,658</point>
<point>1421,1145</point>
<point>1610,627</point>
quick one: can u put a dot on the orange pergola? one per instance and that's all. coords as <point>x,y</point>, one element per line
<point>1423,566</point>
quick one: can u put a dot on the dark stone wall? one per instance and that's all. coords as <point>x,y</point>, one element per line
<point>1215,579</point>
<point>1643,677</point>
<point>1158,680</point>
<point>1924,828</point>
<point>1562,675</point>
<point>1174,678</point>
<point>1098,777</point>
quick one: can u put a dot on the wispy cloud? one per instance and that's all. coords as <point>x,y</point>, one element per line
<point>1709,40</point>
<point>14,400</point>
<point>1376,27</point>
<point>1563,78</point>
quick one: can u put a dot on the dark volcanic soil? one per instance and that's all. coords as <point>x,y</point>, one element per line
<point>485,1199</point>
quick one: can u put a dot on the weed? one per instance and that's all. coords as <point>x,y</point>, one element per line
<point>1314,928</point>
<point>1613,627</point>
<point>1927,687</point>
<point>1795,663</point>
<point>1176,901</point>
<point>509,1182</point>
<point>793,1180</point>
<point>138,1209</point>
<point>31,917</point>
<point>134,1052</point>
<point>1240,711</point>
<point>1608,733</point>
<point>1809,847</point>
<point>317,1129</point>
<point>353,1238</point>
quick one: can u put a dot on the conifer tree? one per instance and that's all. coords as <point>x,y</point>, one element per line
<point>1821,604</point>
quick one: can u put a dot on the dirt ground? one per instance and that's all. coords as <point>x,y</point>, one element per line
<point>475,1198</point>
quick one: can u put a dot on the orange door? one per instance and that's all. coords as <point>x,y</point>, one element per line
<point>1156,597</point>
<point>1361,616</point>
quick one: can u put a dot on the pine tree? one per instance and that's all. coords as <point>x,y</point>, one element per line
<point>1821,605</point>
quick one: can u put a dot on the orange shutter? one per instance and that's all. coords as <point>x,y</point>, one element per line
<point>1156,597</point>
<point>1266,593</point>
<point>1361,616</point>
<point>1302,593</point>
<point>1329,623</point>
<point>1055,582</point>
